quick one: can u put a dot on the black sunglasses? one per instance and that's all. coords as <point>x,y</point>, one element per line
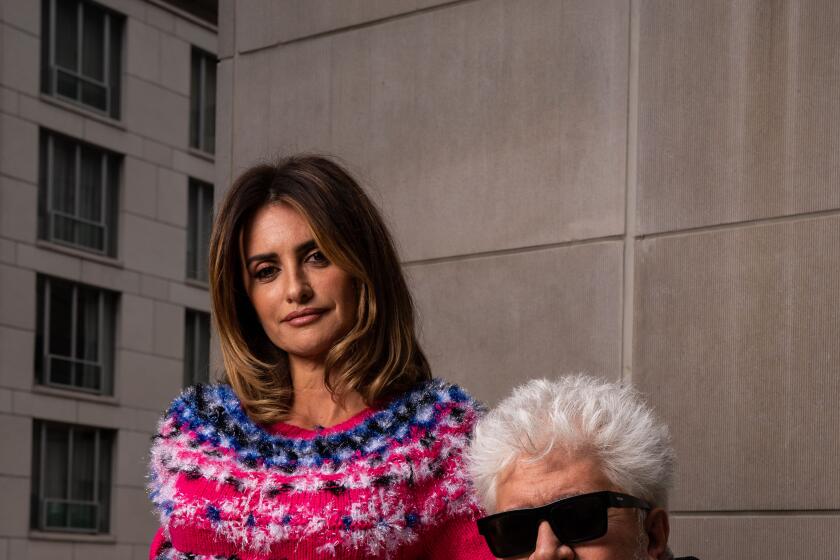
<point>573,520</point>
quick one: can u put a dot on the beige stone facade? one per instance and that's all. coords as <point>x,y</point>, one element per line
<point>645,190</point>
<point>146,273</point>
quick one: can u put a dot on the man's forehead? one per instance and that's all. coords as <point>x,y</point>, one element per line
<point>529,482</point>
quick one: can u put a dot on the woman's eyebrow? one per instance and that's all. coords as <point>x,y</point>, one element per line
<point>260,257</point>
<point>305,247</point>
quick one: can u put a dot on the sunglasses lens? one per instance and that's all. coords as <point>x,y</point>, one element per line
<point>511,534</point>
<point>583,519</point>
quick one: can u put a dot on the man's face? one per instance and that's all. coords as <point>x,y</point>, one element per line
<point>528,484</point>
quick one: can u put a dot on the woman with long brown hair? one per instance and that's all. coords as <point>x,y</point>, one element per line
<point>329,437</point>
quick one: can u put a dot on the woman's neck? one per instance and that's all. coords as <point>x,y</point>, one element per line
<point>313,404</point>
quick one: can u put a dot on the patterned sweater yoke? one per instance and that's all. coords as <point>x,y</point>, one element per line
<point>389,483</point>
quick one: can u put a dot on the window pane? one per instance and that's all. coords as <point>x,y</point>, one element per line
<point>60,317</point>
<point>63,175</point>
<point>72,478</point>
<point>106,443</point>
<point>81,485</point>
<point>199,223</point>
<point>202,372</point>
<point>95,96</point>
<point>61,371</point>
<point>67,85</point>
<point>206,210</point>
<point>81,516</point>
<point>56,462</point>
<point>209,108</point>
<point>90,185</point>
<point>56,514</point>
<point>192,231</point>
<point>66,31</point>
<point>93,43</point>
<point>79,334</point>
<point>87,324</point>
<point>195,100</point>
<point>82,195</point>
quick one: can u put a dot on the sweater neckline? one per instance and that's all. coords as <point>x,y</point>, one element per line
<point>287,430</point>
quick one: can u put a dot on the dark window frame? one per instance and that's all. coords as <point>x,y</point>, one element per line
<point>199,224</point>
<point>196,347</point>
<point>203,100</point>
<point>111,48</point>
<point>106,320</point>
<point>100,481</point>
<point>110,179</point>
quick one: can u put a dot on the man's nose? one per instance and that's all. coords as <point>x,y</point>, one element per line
<point>549,546</point>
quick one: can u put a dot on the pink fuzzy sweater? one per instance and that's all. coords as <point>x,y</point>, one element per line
<point>388,483</point>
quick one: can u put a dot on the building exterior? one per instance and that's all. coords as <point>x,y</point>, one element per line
<point>107,131</point>
<point>644,189</point>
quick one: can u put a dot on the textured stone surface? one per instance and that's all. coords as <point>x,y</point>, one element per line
<point>172,197</point>
<point>756,537</point>
<point>132,459</point>
<point>501,126</point>
<point>137,323</point>
<point>737,121</point>
<point>17,297</point>
<point>261,23</point>
<point>154,247</point>
<point>132,519</point>
<point>169,330</point>
<point>139,187</point>
<point>20,62</point>
<point>494,322</point>
<point>736,343</point>
<point>18,209</point>
<point>18,158</point>
<point>16,435</point>
<point>156,112</point>
<point>15,492</point>
<point>17,358</point>
<point>147,381</point>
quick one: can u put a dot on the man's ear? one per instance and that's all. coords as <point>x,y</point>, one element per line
<point>657,529</point>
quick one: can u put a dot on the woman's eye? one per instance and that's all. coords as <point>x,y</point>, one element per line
<point>317,257</point>
<point>265,272</point>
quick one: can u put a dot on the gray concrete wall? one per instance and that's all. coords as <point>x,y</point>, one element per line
<point>641,189</point>
<point>148,271</point>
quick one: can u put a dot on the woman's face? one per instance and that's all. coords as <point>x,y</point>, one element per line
<point>304,302</point>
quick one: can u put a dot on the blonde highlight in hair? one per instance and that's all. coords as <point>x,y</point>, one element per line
<point>380,356</point>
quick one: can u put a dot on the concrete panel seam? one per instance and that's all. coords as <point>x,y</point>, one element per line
<point>515,250</point>
<point>354,27</point>
<point>628,295</point>
<point>745,224</point>
<point>757,513</point>
<point>21,30</point>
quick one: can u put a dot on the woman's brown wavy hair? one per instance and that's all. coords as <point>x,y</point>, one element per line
<point>380,356</point>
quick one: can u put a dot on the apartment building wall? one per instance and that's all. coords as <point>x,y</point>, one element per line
<point>644,189</point>
<point>147,273</point>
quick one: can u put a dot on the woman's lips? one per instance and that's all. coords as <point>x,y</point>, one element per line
<point>303,317</point>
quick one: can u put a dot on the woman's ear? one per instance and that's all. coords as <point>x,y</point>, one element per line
<point>657,529</point>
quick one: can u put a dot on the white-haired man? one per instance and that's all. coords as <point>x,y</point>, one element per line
<point>573,468</point>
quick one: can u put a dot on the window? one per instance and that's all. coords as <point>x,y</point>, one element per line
<point>78,194</point>
<point>74,340</point>
<point>203,101</point>
<point>196,348</point>
<point>71,478</point>
<point>199,222</point>
<point>81,54</point>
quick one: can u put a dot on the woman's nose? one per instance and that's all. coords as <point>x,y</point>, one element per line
<point>298,289</point>
<point>549,546</point>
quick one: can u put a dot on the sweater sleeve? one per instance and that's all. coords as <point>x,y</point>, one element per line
<point>455,539</point>
<point>157,542</point>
